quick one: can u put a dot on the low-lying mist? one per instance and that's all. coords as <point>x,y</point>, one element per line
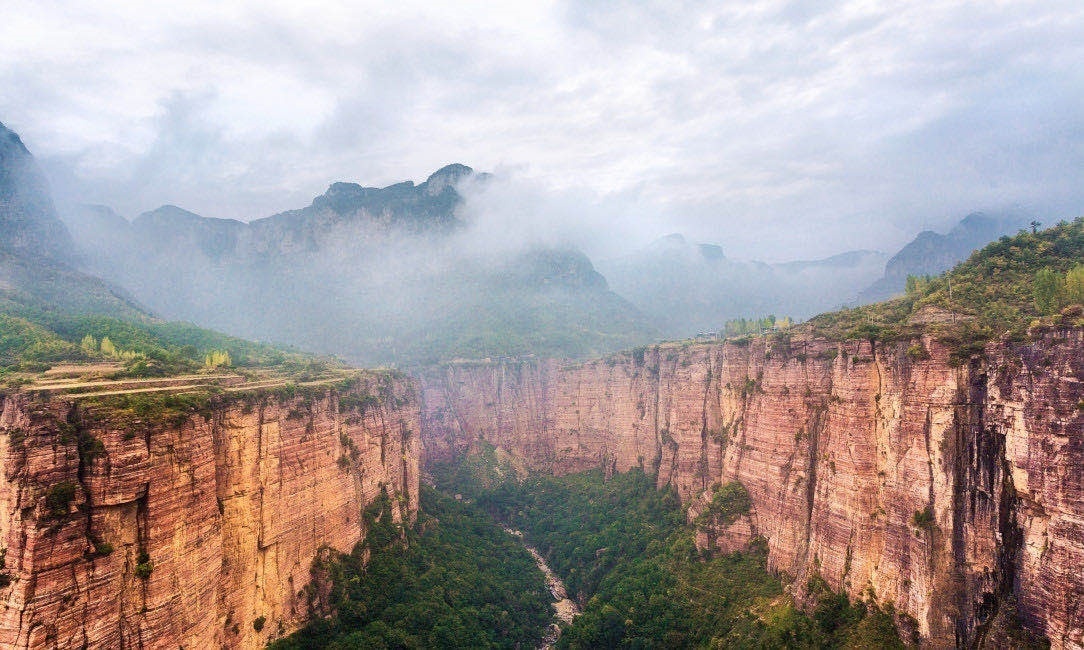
<point>462,266</point>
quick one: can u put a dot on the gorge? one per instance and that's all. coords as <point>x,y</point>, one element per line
<point>946,486</point>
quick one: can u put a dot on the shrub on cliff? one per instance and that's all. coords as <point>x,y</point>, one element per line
<point>59,497</point>
<point>144,567</point>
<point>728,502</point>
<point>924,518</point>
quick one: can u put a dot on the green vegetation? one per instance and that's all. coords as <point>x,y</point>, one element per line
<point>623,548</point>
<point>30,337</point>
<point>924,518</point>
<point>744,326</point>
<point>149,409</point>
<point>1000,290</point>
<point>59,497</point>
<point>455,580</point>
<point>258,623</point>
<point>144,567</point>
<point>216,359</point>
<point>24,341</point>
<point>90,448</point>
<point>1053,291</point>
<point>1047,291</point>
<point>728,502</point>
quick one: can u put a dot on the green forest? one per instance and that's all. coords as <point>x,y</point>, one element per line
<point>1020,283</point>
<point>454,580</point>
<point>624,551</point>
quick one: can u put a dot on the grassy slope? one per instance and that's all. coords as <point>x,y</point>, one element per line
<point>990,293</point>
<point>46,309</point>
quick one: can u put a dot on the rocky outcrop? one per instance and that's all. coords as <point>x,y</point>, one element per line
<point>949,488</point>
<point>129,523</point>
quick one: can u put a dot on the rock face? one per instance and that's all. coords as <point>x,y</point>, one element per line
<point>190,531</point>
<point>951,490</point>
<point>29,224</point>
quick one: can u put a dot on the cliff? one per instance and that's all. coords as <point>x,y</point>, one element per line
<point>138,521</point>
<point>948,488</point>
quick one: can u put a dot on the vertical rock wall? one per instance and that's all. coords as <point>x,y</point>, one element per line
<point>952,491</point>
<point>189,531</point>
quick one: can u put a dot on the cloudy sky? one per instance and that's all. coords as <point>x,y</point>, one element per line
<point>782,128</point>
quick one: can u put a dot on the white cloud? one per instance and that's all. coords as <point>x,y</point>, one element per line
<point>769,124</point>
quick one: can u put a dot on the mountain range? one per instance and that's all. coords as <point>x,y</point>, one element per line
<point>36,250</point>
<point>377,275</point>
<point>687,288</point>
<point>397,275</point>
<point>932,253</point>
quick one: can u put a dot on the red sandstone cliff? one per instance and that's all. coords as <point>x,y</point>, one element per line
<point>227,509</point>
<point>950,490</point>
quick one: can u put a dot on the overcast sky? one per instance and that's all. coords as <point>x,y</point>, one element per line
<point>774,128</point>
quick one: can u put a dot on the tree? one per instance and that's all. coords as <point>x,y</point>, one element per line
<point>1047,290</point>
<point>216,358</point>
<point>1074,285</point>
<point>917,284</point>
<point>89,344</point>
<point>108,348</point>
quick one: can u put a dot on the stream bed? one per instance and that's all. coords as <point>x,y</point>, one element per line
<point>565,607</point>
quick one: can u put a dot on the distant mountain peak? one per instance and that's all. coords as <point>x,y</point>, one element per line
<point>28,221</point>
<point>447,176</point>
<point>711,252</point>
<point>11,142</point>
<point>931,253</point>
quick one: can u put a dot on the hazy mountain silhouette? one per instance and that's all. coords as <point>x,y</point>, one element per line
<point>931,253</point>
<point>688,288</point>
<point>375,274</point>
<point>36,249</point>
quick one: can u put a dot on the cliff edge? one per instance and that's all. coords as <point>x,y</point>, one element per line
<point>138,518</point>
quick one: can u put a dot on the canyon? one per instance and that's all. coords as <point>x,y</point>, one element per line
<point>197,528</point>
<point>945,483</point>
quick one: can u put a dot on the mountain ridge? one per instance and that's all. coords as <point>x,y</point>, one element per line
<point>932,253</point>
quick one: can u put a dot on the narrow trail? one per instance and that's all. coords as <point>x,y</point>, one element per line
<point>565,607</point>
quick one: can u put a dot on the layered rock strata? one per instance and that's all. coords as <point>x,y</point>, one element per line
<point>951,488</point>
<point>128,523</point>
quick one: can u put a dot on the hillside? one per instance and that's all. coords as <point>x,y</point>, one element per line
<point>989,295</point>
<point>932,253</point>
<point>36,250</point>
<point>376,275</point>
<point>28,221</point>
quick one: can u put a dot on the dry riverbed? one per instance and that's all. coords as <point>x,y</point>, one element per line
<point>566,608</point>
